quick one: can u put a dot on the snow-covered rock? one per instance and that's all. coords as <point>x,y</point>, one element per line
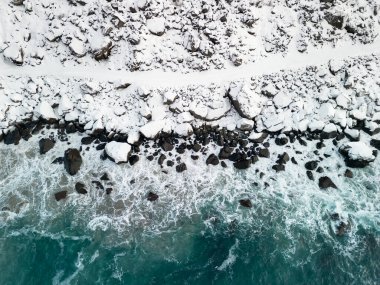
<point>246,102</point>
<point>156,26</point>
<point>152,129</point>
<point>357,154</point>
<point>77,47</point>
<point>245,124</point>
<point>45,111</point>
<point>118,152</point>
<point>15,54</point>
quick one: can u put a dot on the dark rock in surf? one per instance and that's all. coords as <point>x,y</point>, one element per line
<point>311,165</point>
<point>181,167</point>
<point>212,159</point>
<point>325,182</point>
<point>87,140</point>
<point>46,145</point>
<point>245,203</point>
<point>72,160</point>
<point>133,159</point>
<point>348,173</point>
<point>80,188</point>
<point>278,167</point>
<point>12,137</point>
<point>152,197</point>
<point>104,177</point>
<point>60,195</point>
<point>243,164</point>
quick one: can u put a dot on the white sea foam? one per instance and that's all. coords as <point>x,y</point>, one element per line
<point>291,201</point>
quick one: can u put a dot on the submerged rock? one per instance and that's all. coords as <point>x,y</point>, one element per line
<point>72,161</point>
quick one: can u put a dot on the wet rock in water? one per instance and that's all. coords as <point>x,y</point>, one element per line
<point>281,140</point>
<point>170,163</point>
<point>223,164</point>
<point>100,146</point>
<point>245,203</point>
<point>109,190</point>
<point>293,160</point>
<point>87,140</point>
<point>46,145</point>
<point>134,159</point>
<point>320,169</point>
<point>357,154</point>
<point>197,147</point>
<point>278,167</point>
<point>225,152</point>
<point>195,157</point>
<point>264,152</point>
<point>166,146</point>
<point>72,160</point>
<point>98,185</point>
<point>181,167</point>
<point>212,159</point>
<point>375,143</point>
<point>283,158</point>
<point>243,164</point>
<point>311,165</point>
<point>310,175</point>
<point>60,195</point>
<point>161,159</point>
<point>12,137</point>
<point>152,197</point>
<point>348,173</point>
<point>104,177</point>
<point>58,160</point>
<point>80,188</point>
<point>325,182</point>
<point>343,228</point>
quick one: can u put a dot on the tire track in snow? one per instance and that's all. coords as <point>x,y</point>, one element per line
<point>159,78</point>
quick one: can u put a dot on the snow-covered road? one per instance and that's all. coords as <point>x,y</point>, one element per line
<point>159,78</point>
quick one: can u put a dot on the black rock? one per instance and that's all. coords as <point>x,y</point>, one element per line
<point>194,157</point>
<point>343,228</point>
<point>283,158</point>
<point>294,161</point>
<point>212,159</point>
<point>264,152</point>
<point>87,140</point>
<point>320,169</point>
<point>223,164</point>
<point>170,163</point>
<point>152,197</point>
<point>181,167</point>
<point>12,137</point>
<point>166,146</point>
<point>375,143</point>
<point>278,167</point>
<point>348,173</point>
<point>98,185</point>
<point>245,203</point>
<point>243,164</point>
<point>46,145</point>
<point>161,159</point>
<point>109,190</point>
<point>311,165</point>
<point>58,160</point>
<point>197,147</point>
<point>100,146</point>
<point>310,175</point>
<point>225,152</point>
<point>104,177</point>
<point>72,160</point>
<point>80,188</point>
<point>281,141</point>
<point>334,20</point>
<point>320,145</point>
<point>325,182</point>
<point>60,195</point>
<point>134,159</point>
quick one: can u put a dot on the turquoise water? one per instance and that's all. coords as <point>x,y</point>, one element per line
<point>196,233</point>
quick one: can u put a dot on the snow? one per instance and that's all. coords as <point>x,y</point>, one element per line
<point>118,151</point>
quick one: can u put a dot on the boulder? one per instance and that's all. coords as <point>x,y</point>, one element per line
<point>357,154</point>
<point>152,197</point>
<point>12,137</point>
<point>77,48</point>
<point>80,188</point>
<point>118,152</point>
<point>278,167</point>
<point>46,145</point>
<point>325,182</point>
<point>152,129</point>
<point>14,54</point>
<point>245,203</point>
<point>311,165</point>
<point>348,173</point>
<point>335,19</point>
<point>156,26</point>
<point>60,195</point>
<point>212,159</point>
<point>181,167</point>
<point>72,161</point>
<point>243,164</point>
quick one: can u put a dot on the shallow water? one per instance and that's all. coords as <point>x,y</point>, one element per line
<point>195,233</point>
